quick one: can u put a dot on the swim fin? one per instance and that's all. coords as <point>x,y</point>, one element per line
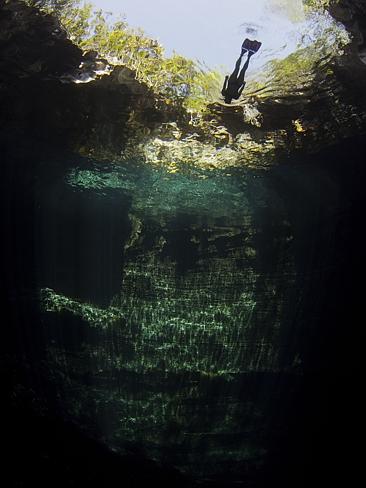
<point>251,46</point>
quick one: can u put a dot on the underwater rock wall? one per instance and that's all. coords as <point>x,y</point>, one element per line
<point>217,314</point>
<point>352,14</point>
<point>192,300</point>
<point>54,95</point>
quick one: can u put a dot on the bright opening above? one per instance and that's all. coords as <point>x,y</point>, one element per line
<point>211,31</point>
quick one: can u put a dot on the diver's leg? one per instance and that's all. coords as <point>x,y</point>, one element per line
<point>243,70</point>
<point>235,73</point>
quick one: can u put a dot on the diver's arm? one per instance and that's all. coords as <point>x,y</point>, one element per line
<point>241,89</point>
<point>224,88</point>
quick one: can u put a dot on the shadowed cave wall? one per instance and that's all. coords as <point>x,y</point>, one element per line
<point>264,265</point>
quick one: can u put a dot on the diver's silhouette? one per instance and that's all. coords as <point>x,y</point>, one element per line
<point>234,84</point>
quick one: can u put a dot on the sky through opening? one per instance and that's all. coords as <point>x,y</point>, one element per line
<point>211,31</point>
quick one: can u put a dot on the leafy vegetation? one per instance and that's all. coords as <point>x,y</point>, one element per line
<point>181,81</point>
<point>178,79</point>
<point>319,4</point>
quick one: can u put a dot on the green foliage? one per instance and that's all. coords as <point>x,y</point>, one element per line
<point>178,79</point>
<point>76,21</point>
<point>74,17</point>
<point>56,6</point>
<point>205,87</point>
<point>319,5</point>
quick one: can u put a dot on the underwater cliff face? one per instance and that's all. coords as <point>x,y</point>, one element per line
<point>180,294</point>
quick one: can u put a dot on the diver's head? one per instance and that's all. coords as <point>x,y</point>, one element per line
<point>228,99</point>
